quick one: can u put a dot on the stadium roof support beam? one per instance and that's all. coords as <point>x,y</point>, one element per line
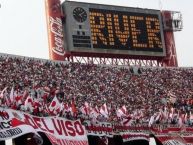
<point>116,61</point>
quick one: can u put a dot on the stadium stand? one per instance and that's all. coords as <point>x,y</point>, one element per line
<point>153,95</point>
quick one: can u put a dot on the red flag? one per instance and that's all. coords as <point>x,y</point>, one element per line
<point>73,108</point>
<point>18,100</point>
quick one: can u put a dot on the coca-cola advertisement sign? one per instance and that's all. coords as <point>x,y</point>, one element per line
<point>55,31</point>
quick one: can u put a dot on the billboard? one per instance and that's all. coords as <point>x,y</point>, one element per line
<point>55,31</point>
<point>109,29</point>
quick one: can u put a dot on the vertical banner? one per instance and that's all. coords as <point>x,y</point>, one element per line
<point>55,30</point>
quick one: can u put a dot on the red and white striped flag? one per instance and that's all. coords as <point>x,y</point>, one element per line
<point>171,114</point>
<point>104,110</point>
<point>126,120</point>
<point>152,120</point>
<point>86,109</point>
<point>3,96</point>
<point>122,111</point>
<point>2,93</point>
<point>94,112</point>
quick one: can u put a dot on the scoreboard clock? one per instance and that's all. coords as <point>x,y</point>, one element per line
<point>79,14</point>
<point>109,29</point>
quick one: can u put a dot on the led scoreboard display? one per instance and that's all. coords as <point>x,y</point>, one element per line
<point>97,28</point>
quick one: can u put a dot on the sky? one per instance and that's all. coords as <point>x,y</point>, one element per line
<point>23,29</point>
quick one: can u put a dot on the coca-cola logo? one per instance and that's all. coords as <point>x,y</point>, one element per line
<point>57,33</point>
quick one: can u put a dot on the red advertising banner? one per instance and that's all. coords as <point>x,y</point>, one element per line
<point>15,123</point>
<point>55,30</point>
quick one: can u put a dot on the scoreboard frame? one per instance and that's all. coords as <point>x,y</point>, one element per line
<point>79,30</point>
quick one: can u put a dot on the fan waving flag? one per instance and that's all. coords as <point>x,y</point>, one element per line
<point>73,108</point>
<point>29,103</point>
<point>104,110</point>
<point>11,96</point>
<point>122,111</point>
<point>2,92</point>
<point>55,106</point>
<point>86,109</point>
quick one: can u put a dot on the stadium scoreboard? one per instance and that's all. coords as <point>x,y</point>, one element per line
<point>96,28</point>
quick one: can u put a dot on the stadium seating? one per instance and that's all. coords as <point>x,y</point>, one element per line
<point>152,91</point>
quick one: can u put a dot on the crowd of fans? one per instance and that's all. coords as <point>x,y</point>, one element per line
<point>151,92</point>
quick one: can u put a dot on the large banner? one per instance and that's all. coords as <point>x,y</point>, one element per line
<point>61,131</point>
<point>64,132</point>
